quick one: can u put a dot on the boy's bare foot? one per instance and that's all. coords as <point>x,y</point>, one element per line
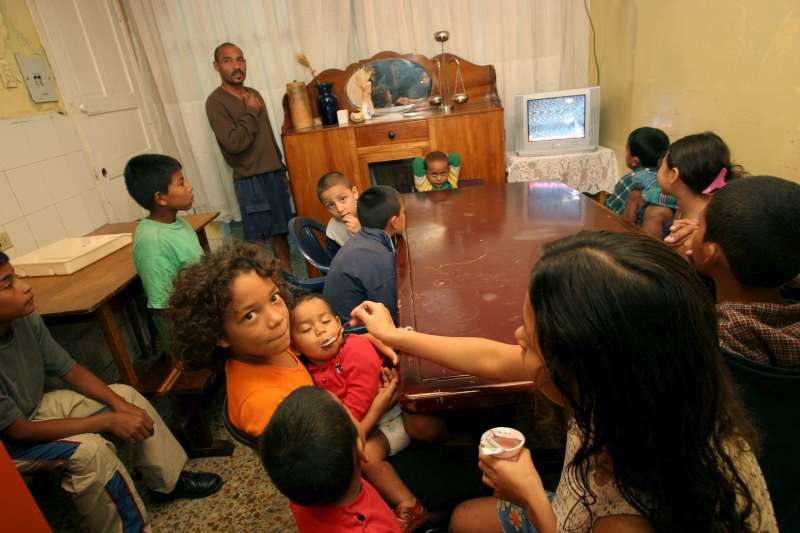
<point>410,517</point>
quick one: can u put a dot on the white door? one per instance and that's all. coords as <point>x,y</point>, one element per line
<point>90,50</point>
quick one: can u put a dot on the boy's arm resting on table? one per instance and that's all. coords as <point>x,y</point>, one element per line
<point>479,357</point>
<point>234,136</point>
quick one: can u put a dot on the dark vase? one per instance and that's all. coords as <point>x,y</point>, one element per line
<point>327,104</point>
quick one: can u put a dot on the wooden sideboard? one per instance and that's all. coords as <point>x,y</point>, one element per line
<point>474,130</point>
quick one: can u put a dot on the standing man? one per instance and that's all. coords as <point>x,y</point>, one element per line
<point>240,122</point>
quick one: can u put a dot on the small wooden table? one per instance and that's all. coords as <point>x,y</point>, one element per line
<point>107,286</point>
<point>101,289</point>
<point>463,266</point>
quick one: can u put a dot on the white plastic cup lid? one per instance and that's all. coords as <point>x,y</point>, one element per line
<point>502,442</point>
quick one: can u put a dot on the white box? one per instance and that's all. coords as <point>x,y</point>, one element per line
<point>69,255</point>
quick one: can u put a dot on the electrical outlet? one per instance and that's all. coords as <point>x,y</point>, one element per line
<point>5,241</point>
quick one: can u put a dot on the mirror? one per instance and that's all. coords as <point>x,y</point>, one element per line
<point>397,85</point>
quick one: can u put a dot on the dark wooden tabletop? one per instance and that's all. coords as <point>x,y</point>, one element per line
<point>463,266</point>
<point>87,289</point>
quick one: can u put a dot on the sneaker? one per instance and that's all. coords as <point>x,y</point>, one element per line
<point>190,485</point>
<point>410,518</point>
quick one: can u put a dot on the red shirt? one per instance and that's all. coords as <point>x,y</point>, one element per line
<point>368,513</point>
<point>353,375</point>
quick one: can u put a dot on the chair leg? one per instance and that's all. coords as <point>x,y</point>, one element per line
<point>194,433</point>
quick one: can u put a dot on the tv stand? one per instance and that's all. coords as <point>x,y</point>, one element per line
<point>589,172</point>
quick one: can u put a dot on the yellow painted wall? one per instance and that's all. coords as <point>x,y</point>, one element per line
<point>730,66</point>
<point>18,34</point>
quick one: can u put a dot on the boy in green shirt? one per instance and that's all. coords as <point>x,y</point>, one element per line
<point>163,243</point>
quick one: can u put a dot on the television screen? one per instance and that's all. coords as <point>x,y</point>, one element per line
<point>560,117</point>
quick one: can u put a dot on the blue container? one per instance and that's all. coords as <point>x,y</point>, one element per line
<point>327,104</point>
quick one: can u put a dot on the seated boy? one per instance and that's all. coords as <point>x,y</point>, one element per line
<point>62,428</point>
<point>637,196</point>
<point>748,240</point>
<point>349,367</point>
<point>365,267</point>
<point>338,195</point>
<point>163,243</point>
<point>438,171</point>
<point>312,453</point>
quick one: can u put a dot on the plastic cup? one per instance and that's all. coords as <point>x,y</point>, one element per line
<point>502,443</point>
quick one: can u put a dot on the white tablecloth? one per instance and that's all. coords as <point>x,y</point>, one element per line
<point>590,172</point>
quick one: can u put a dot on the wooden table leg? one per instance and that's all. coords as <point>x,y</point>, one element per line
<point>203,238</point>
<point>195,434</point>
<point>108,323</point>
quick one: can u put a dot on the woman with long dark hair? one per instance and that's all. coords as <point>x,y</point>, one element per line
<point>619,330</point>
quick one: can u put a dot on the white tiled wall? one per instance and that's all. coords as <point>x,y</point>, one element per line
<point>47,188</point>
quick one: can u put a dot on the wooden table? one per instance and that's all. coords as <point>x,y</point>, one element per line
<point>463,266</point>
<point>108,286</point>
<point>101,289</point>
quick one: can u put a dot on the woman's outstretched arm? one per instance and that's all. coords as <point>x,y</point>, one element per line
<point>480,357</point>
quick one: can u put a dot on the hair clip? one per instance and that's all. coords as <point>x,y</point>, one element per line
<point>718,183</point>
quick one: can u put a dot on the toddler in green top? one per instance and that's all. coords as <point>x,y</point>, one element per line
<point>438,171</point>
<point>163,243</point>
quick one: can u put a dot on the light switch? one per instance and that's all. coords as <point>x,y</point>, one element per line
<point>37,78</point>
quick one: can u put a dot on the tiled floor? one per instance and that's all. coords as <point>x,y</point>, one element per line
<point>247,502</point>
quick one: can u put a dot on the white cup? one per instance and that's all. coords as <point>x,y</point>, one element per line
<point>502,443</point>
<point>343,117</point>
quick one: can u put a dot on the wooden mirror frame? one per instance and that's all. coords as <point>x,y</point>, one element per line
<point>480,81</point>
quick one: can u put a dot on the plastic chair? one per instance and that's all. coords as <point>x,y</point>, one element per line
<point>772,395</point>
<point>303,231</point>
<point>310,284</point>
<point>237,434</point>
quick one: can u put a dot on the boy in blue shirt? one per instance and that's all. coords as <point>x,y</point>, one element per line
<point>637,196</point>
<point>163,243</point>
<point>365,268</point>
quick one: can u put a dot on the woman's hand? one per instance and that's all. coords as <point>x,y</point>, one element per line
<point>513,480</point>
<point>377,319</point>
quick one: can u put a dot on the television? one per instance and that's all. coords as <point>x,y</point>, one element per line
<point>557,122</point>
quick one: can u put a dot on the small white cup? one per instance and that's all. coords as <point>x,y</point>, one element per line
<point>343,117</point>
<point>502,443</point>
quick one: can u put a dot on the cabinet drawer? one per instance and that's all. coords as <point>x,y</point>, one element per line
<point>395,132</point>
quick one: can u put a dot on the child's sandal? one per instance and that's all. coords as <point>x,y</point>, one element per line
<point>410,518</point>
